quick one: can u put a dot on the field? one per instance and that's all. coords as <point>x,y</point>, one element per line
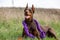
<point>11,22</point>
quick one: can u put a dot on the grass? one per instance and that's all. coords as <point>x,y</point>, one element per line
<point>12,28</point>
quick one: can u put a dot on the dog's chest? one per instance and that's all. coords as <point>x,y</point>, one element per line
<point>32,26</point>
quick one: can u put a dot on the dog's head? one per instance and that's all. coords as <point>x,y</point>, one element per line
<point>28,13</point>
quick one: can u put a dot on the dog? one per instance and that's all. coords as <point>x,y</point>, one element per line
<point>32,28</point>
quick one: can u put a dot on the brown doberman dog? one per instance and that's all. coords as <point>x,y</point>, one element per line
<point>28,13</point>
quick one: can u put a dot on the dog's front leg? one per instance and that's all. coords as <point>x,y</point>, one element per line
<point>37,34</point>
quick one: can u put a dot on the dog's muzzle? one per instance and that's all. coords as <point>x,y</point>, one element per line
<point>27,17</point>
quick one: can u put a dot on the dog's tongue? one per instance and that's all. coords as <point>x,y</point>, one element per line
<point>27,17</point>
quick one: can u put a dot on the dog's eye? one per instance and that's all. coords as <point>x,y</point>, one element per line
<point>30,11</point>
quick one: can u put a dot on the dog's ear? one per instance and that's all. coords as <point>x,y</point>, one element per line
<point>33,9</point>
<point>26,7</point>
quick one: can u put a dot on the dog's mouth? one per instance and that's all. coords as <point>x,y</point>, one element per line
<point>28,18</point>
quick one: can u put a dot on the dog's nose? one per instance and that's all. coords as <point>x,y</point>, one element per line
<point>27,17</point>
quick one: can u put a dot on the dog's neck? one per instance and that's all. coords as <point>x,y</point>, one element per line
<point>29,22</point>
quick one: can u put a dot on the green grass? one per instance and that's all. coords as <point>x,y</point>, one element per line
<point>11,29</point>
